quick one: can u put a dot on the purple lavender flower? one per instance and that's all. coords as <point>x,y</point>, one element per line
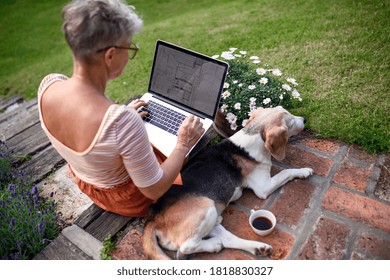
<point>14,256</point>
<point>11,187</point>
<point>34,190</point>
<point>41,227</point>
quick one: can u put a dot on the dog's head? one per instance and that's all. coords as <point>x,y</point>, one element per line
<point>275,125</point>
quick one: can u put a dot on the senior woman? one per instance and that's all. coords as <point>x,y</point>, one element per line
<point>106,144</point>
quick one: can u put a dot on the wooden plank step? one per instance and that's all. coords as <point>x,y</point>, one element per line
<point>43,163</point>
<point>89,215</point>
<point>4,104</point>
<point>29,142</point>
<point>25,106</point>
<point>19,122</point>
<point>83,240</point>
<point>62,249</point>
<point>107,224</point>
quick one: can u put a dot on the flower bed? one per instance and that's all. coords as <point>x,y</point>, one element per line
<point>27,221</point>
<point>251,84</point>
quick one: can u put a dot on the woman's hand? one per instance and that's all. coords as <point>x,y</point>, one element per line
<point>189,132</point>
<point>138,103</point>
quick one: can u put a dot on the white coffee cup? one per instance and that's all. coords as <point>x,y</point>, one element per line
<point>262,221</point>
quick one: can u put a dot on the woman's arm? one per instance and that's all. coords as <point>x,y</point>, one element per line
<point>189,133</point>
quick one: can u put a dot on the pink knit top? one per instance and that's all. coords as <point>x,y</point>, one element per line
<point>119,151</point>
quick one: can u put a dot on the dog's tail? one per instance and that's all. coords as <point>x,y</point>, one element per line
<point>150,243</point>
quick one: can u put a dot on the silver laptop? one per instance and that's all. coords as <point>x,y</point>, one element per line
<point>182,82</point>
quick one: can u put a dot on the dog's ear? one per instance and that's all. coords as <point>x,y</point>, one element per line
<point>276,141</point>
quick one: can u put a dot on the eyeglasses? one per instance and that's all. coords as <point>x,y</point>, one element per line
<point>133,49</point>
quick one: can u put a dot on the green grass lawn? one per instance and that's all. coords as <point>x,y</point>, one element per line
<point>337,50</point>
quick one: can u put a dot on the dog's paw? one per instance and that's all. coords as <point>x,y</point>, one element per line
<point>181,256</point>
<point>305,172</point>
<point>264,250</point>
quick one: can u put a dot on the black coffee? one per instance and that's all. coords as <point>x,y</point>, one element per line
<point>262,223</point>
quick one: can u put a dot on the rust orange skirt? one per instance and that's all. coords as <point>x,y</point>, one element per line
<point>125,199</point>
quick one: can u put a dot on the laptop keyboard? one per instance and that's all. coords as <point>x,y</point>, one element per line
<point>163,117</point>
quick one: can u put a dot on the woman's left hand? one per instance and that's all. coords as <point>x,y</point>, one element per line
<point>138,103</point>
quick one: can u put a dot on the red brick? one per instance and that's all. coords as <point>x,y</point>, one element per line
<point>354,152</point>
<point>290,206</point>
<point>357,257</point>
<point>323,145</point>
<point>236,221</point>
<point>357,207</point>
<point>250,200</point>
<point>353,176</point>
<point>373,246</point>
<point>225,254</point>
<point>130,247</point>
<point>327,242</point>
<point>296,157</point>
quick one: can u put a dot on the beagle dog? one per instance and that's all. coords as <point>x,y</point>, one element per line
<point>187,219</point>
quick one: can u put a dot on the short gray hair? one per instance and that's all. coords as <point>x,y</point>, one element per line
<point>91,25</point>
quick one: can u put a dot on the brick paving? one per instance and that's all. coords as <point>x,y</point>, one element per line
<point>334,214</point>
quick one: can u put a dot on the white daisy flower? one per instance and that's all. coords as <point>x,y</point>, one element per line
<point>225,94</point>
<point>292,81</point>
<point>233,126</point>
<point>215,56</point>
<point>263,81</point>
<point>237,55</point>
<point>254,57</point>
<point>266,101</point>
<point>232,49</point>
<point>224,108</point>
<point>295,94</point>
<point>237,106</point>
<point>277,72</point>
<point>252,99</point>
<point>227,55</point>
<point>256,61</point>
<point>232,118</point>
<point>240,85</point>
<point>281,97</point>
<point>226,85</point>
<point>261,71</point>
<point>251,87</point>
<point>286,87</point>
<point>243,52</point>
<point>235,82</point>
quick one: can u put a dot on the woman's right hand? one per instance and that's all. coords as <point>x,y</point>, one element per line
<point>189,132</point>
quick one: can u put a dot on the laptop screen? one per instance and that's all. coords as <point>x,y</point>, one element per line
<point>186,77</point>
